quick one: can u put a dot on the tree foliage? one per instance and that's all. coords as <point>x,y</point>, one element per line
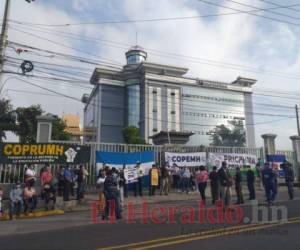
<point>131,135</point>
<point>7,118</point>
<point>27,123</point>
<point>26,126</point>
<point>58,130</point>
<point>233,135</point>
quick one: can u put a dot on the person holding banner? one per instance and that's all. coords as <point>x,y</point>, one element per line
<point>138,186</point>
<point>154,177</point>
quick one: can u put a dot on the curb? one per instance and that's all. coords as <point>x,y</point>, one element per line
<point>37,214</point>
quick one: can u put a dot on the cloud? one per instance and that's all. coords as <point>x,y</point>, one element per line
<point>239,39</point>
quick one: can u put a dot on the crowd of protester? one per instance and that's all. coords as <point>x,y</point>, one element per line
<point>113,186</point>
<point>44,187</point>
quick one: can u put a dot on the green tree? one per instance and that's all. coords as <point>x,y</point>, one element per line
<point>7,118</point>
<point>58,130</point>
<point>131,135</point>
<point>233,135</point>
<point>27,127</point>
<point>27,123</point>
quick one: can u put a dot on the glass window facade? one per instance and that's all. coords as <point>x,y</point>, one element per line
<point>203,109</point>
<point>133,105</point>
<point>135,59</point>
<point>91,122</point>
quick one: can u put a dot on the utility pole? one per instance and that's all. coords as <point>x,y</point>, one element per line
<point>3,38</point>
<point>297,117</point>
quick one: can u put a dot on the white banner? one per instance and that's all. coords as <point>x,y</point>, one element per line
<point>233,160</point>
<point>186,159</point>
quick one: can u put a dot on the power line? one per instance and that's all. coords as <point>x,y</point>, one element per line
<point>175,56</point>
<point>249,13</point>
<point>279,5</point>
<point>61,44</point>
<point>266,10</point>
<point>146,20</point>
<point>31,92</point>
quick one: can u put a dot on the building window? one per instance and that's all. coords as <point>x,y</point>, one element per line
<point>173,112</point>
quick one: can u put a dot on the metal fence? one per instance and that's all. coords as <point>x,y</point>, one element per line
<point>11,173</point>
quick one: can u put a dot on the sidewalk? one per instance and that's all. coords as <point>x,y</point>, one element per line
<point>174,197</point>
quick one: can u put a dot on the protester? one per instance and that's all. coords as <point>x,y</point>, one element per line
<point>123,177</point>
<point>225,184</point>
<point>269,180</point>
<point>61,180</point>
<point>186,175</point>
<point>238,186</point>
<point>48,194</point>
<point>138,186</point>
<point>250,183</point>
<point>289,178</point>
<point>164,180</point>
<point>73,181</point>
<point>30,176</point>
<point>176,177</point>
<point>46,177</point>
<point>68,178</point>
<point>112,194</point>
<point>192,181</point>
<point>100,185</point>
<point>214,185</point>
<point>16,200</point>
<point>154,177</point>
<point>122,183</point>
<point>1,197</point>
<point>81,174</point>
<point>30,199</point>
<point>201,178</point>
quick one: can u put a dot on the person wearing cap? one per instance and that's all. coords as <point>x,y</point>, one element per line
<point>138,186</point>
<point>16,200</point>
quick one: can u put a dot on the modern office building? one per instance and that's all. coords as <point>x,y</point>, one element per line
<point>163,102</point>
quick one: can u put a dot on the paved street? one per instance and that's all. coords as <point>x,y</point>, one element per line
<point>76,231</point>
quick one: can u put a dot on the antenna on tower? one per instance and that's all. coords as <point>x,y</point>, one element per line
<point>136,38</point>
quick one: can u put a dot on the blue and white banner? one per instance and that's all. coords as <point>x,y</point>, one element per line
<point>118,160</point>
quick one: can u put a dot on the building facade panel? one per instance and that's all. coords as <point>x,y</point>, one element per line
<point>159,98</point>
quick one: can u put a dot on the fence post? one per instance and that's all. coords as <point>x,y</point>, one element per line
<point>269,144</point>
<point>296,147</point>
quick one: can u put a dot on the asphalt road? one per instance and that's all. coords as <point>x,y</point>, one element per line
<point>76,231</point>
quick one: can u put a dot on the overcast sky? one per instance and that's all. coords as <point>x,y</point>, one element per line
<point>270,46</point>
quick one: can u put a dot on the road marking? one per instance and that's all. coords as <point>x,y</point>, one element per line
<point>178,239</point>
